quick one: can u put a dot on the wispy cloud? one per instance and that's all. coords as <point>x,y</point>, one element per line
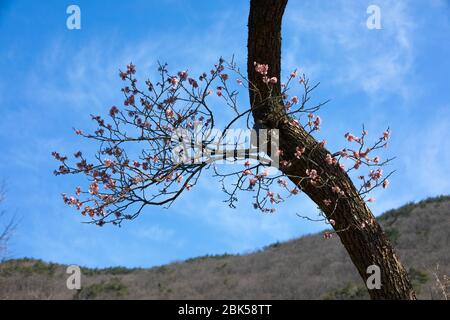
<point>427,166</point>
<point>332,37</point>
<point>155,233</point>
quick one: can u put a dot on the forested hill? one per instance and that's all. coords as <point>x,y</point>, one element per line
<point>305,268</point>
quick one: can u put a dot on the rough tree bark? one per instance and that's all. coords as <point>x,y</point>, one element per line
<point>357,228</point>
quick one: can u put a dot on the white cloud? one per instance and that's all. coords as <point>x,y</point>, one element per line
<point>429,150</point>
<point>69,75</point>
<point>355,58</point>
<point>155,233</point>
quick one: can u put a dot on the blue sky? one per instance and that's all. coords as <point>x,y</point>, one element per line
<point>52,78</point>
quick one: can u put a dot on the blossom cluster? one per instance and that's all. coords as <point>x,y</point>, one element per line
<point>135,167</point>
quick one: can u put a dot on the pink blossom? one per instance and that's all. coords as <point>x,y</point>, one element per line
<point>111,184</point>
<point>109,163</point>
<point>318,121</point>
<point>282,182</point>
<point>376,174</point>
<point>193,83</point>
<point>349,137</point>
<point>252,182</point>
<point>183,75</point>
<point>131,69</point>
<point>294,191</point>
<point>137,179</point>
<point>385,183</point>
<point>78,191</point>
<point>261,68</point>
<point>224,76</point>
<point>239,81</point>
<point>332,222</point>
<point>169,113</point>
<point>364,154</point>
<point>294,100</point>
<point>371,200</point>
<point>219,91</point>
<point>329,159</point>
<point>247,163</point>
<point>327,202</point>
<point>294,74</point>
<point>123,75</point>
<point>73,201</point>
<point>174,81</point>
<point>93,188</point>
<point>312,174</point>
<point>129,100</point>
<point>246,172</point>
<point>336,189</point>
<point>298,152</point>
<point>268,80</point>
<point>386,135</point>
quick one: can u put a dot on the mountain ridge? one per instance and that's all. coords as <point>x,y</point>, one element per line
<point>308,267</point>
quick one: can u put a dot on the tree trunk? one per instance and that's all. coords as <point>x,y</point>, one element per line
<point>356,226</point>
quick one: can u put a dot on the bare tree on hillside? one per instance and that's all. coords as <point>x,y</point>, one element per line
<point>7,227</point>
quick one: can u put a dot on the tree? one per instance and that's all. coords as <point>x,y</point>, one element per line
<point>6,227</point>
<point>365,242</point>
<point>165,136</point>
